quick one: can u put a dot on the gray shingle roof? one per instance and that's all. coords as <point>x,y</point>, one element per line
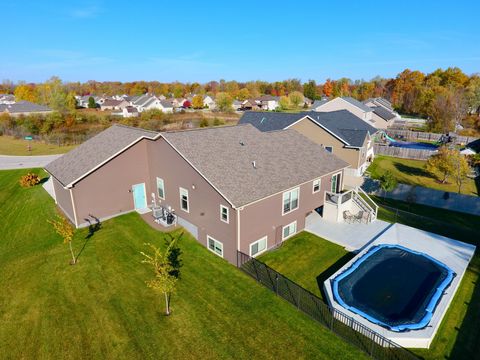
<point>384,113</point>
<point>93,152</point>
<point>318,103</point>
<point>26,106</point>
<point>284,159</point>
<point>350,128</point>
<point>357,103</point>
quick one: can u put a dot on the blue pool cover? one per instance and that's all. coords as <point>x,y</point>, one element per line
<point>393,286</point>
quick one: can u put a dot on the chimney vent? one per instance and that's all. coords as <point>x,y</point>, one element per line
<point>254,164</point>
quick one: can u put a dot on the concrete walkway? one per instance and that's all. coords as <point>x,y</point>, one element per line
<point>25,162</point>
<point>352,237</point>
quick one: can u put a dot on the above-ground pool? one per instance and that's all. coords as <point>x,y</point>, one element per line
<point>414,145</point>
<point>393,286</point>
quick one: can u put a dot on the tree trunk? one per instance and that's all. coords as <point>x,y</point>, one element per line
<point>167,305</point>
<point>74,261</point>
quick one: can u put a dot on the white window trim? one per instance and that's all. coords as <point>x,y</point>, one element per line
<point>221,214</point>
<point>163,183</point>
<point>188,200</point>
<point>341,179</point>
<point>253,243</point>
<point>215,241</point>
<point>290,235</point>
<point>319,185</point>
<point>298,201</point>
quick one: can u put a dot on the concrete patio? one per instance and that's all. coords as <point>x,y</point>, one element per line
<point>352,237</point>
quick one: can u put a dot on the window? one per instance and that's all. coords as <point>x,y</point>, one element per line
<point>160,188</point>
<point>335,182</point>
<point>258,246</point>
<point>329,149</point>
<point>290,200</point>
<point>316,185</point>
<point>184,199</point>
<point>224,213</point>
<point>289,230</point>
<point>215,246</point>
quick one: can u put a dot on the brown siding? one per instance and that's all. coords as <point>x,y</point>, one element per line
<point>264,218</point>
<point>204,201</point>
<point>63,200</point>
<point>105,192</point>
<point>322,137</point>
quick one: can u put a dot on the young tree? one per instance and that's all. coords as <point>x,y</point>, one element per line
<point>284,103</point>
<point>310,90</point>
<point>387,183</point>
<point>166,266</point>
<point>224,102</point>
<point>296,98</point>
<point>70,101</point>
<point>460,169</point>
<point>197,102</point>
<point>441,163</point>
<point>91,103</point>
<point>63,228</point>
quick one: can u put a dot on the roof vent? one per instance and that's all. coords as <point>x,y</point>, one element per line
<point>242,143</point>
<point>261,121</point>
<point>254,164</point>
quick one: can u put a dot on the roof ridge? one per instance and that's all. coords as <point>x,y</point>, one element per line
<point>134,128</point>
<point>204,128</point>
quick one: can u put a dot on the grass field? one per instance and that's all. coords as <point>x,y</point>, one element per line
<point>412,172</point>
<point>310,260</point>
<point>12,146</point>
<point>101,308</point>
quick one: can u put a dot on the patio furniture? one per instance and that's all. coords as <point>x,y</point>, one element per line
<point>358,217</point>
<point>163,216</point>
<point>347,216</point>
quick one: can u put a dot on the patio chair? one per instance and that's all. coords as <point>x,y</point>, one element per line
<point>359,217</point>
<point>347,216</point>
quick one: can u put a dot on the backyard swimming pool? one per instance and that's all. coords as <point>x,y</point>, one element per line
<point>393,286</point>
<point>414,145</point>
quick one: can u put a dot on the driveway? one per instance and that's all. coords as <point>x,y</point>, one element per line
<point>25,162</point>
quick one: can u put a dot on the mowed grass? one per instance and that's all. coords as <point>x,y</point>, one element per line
<point>307,260</point>
<point>11,146</point>
<point>412,172</point>
<point>101,308</point>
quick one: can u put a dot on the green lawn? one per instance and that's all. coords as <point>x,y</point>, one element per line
<point>412,172</point>
<point>101,308</point>
<point>12,146</point>
<point>309,260</point>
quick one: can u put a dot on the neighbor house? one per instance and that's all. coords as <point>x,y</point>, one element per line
<point>112,104</point>
<point>383,115</point>
<point>233,188</point>
<point>268,102</point>
<point>347,103</point>
<point>7,99</point>
<point>339,132</point>
<point>209,102</point>
<point>25,108</point>
<point>150,102</point>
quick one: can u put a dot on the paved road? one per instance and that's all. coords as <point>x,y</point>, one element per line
<point>25,162</point>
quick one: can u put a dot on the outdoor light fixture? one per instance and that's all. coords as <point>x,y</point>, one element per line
<point>193,186</point>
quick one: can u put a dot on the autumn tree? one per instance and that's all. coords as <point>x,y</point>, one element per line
<point>327,88</point>
<point>224,101</point>
<point>441,162</point>
<point>284,103</point>
<point>166,267</point>
<point>63,228</point>
<point>310,89</point>
<point>26,92</point>
<point>70,101</point>
<point>197,102</point>
<point>243,94</point>
<point>296,99</point>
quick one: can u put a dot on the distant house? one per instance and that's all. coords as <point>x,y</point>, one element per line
<point>24,108</point>
<point>209,102</point>
<point>347,103</point>
<point>318,103</point>
<point>82,101</point>
<point>7,99</point>
<point>251,104</point>
<point>379,101</point>
<point>129,111</point>
<point>339,132</point>
<point>234,188</point>
<point>236,105</point>
<point>149,102</point>
<point>111,104</point>
<point>383,114</point>
<point>268,102</point>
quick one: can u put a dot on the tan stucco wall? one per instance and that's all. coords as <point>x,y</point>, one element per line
<point>322,137</point>
<point>340,104</point>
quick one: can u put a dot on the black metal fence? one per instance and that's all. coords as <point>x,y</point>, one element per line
<point>374,344</point>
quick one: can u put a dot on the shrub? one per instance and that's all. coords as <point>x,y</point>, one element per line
<point>29,180</point>
<point>204,123</point>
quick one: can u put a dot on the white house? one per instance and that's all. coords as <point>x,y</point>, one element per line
<point>209,103</point>
<point>268,102</point>
<point>347,103</point>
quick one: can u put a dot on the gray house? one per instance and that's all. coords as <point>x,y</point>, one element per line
<point>234,188</point>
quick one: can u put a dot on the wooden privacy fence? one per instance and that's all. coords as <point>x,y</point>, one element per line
<point>419,135</point>
<point>405,153</point>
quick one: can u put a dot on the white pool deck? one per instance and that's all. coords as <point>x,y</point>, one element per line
<point>454,254</point>
<point>352,237</point>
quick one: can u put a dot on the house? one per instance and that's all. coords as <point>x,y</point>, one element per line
<point>339,132</point>
<point>209,102</point>
<point>383,114</point>
<point>233,188</point>
<point>250,104</point>
<point>236,105</point>
<point>7,99</point>
<point>24,108</point>
<point>129,111</point>
<point>268,102</point>
<point>149,102</point>
<point>347,103</point>
<point>82,101</point>
<point>111,104</point>
<point>379,101</point>
<point>318,103</point>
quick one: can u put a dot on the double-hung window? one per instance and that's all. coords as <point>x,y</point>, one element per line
<point>215,246</point>
<point>224,215</point>
<point>290,200</point>
<point>289,230</point>
<point>258,246</point>
<point>160,188</point>
<point>316,185</point>
<point>184,203</point>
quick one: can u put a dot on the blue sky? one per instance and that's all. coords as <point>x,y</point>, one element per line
<point>247,40</point>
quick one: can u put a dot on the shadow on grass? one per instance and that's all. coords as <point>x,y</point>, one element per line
<point>94,226</point>
<point>477,184</point>
<point>467,345</point>
<point>410,170</point>
<point>43,180</point>
<point>332,270</point>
